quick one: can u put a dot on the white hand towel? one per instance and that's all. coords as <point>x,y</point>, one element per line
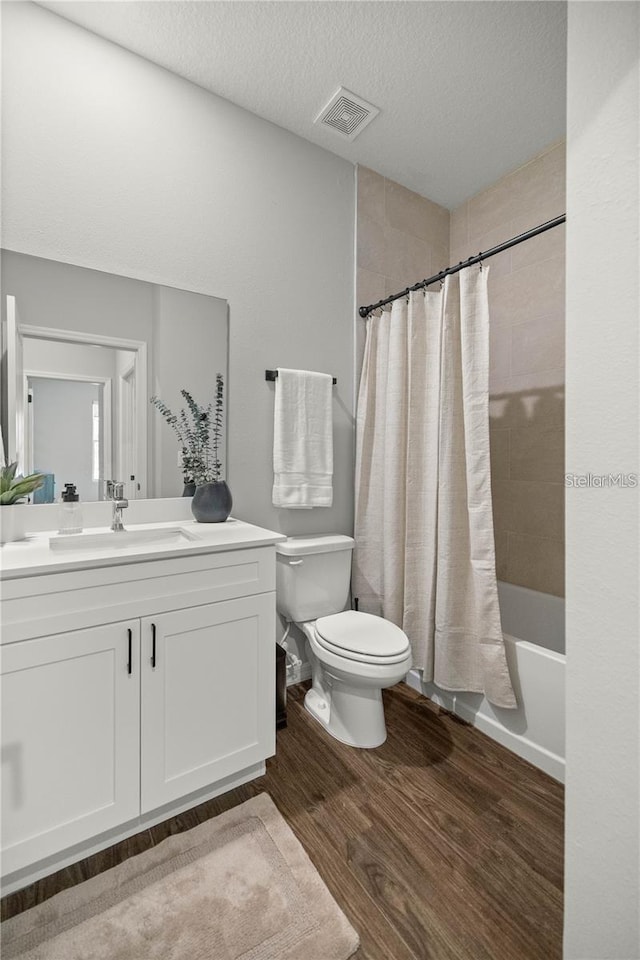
<point>303,440</point>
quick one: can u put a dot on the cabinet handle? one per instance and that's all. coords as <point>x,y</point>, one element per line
<point>153,646</point>
<point>129,661</point>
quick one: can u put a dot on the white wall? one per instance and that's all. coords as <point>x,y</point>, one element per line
<point>603,626</point>
<point>72,359</point>
<point>113,163</point>
<point>64,297</point>
<point>205,319</point>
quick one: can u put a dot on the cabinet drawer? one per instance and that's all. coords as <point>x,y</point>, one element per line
<point>53,603</point>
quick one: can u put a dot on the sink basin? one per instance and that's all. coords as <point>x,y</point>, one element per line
<point>109,540</point>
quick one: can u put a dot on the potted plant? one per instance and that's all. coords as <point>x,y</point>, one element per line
<point>199,433</point>
<point>13,490</point>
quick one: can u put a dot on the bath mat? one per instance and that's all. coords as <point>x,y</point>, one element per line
<point>237,887</point>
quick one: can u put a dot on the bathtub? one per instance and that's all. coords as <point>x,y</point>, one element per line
<point>533,626</point>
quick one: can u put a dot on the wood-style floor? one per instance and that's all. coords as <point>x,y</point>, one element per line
<point>439,845</point>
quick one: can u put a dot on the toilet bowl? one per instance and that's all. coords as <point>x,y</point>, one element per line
<point>353,655</point>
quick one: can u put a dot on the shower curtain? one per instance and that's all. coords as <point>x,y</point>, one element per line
<point>425,556</point>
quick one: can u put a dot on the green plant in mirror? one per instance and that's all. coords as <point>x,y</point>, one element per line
<point>14,488</point>
<point>199,433</point>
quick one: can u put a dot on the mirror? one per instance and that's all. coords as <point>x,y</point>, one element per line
<point>83,353</point>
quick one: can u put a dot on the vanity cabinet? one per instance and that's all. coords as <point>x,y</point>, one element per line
<point>70,735</point>
<point>207,710</point>
<point>160,696</point>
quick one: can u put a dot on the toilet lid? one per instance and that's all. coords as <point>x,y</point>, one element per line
<point>361,636</point>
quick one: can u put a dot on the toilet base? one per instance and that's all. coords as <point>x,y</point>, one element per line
<point>354,716</point>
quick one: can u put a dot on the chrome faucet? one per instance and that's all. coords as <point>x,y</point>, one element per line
<point>115,491</point>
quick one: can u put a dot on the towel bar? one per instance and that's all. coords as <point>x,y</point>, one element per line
<point>273,375</point>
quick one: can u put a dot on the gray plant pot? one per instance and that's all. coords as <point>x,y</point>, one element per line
<point>212,502</point>
<point>189,489</point>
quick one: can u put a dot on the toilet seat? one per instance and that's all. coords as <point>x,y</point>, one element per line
<point>362,637</point>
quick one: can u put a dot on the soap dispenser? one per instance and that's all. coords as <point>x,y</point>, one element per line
<point>70,514</point>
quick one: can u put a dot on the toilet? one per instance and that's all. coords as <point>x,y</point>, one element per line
<point>353,655</point>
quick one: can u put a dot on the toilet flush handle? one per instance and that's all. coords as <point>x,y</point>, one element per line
<point>295,563</point>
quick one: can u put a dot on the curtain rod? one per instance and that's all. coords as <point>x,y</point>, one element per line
<point>483,255</point>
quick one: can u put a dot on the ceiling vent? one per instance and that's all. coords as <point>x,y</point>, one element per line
<point>347,114</point>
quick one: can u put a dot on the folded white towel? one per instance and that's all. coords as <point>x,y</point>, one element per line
<point>303,440</point>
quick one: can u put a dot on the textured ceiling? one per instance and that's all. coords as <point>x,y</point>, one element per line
<point>467,90</point>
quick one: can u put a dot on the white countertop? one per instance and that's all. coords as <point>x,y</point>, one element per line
<point>33,556</point>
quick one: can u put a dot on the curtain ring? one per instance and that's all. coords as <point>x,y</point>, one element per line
<point>480,255</point>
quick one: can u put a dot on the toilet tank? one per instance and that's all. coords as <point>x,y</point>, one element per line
<point>313,576</point>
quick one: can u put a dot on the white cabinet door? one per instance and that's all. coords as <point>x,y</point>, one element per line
<point>70,739</point>
<point>208,695</point>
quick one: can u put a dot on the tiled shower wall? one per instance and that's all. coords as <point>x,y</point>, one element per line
<point>526,381</point>
<point>403,237</point>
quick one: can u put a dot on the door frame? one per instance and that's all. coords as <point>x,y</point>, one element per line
<point>107,387</point>
<point>12,356</point>
<point>124,391</point>
<point>139,347</point>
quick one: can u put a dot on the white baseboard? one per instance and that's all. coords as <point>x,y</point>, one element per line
<point>517,743</point>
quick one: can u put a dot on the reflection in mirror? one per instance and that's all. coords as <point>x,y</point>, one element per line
<point>83,352</point>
